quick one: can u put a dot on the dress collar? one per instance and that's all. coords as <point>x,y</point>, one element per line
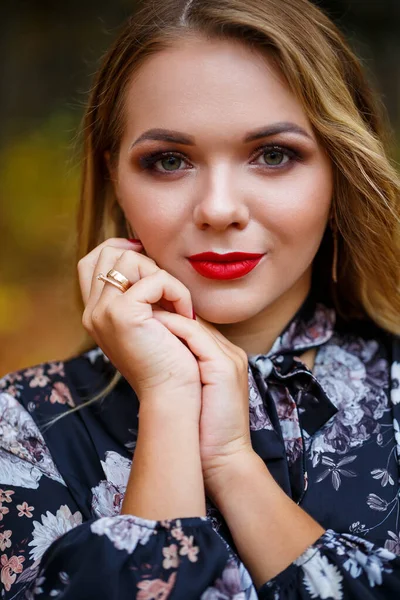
<point>312,326</point>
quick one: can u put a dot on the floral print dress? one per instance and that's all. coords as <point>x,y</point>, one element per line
<point>330,438</point>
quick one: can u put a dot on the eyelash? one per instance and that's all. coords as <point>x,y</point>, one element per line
<point>148,161</point>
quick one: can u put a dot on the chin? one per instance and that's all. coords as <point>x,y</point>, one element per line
<point>224,315</point>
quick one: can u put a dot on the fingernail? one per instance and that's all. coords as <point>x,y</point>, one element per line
<point>194,314</point>
<point>134,241</point>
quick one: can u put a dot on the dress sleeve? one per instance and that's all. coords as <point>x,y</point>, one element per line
<point>47,549</point>
<point>338,567</point>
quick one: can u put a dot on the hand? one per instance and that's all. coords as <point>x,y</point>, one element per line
<point>224,419</point>
<point>153,360</point>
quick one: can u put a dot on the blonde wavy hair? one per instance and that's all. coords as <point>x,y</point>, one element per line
<point>327,79</point>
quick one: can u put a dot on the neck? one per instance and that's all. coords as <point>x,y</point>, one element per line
<point>257,335</point>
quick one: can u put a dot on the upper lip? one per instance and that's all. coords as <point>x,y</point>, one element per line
<point>228,257</point>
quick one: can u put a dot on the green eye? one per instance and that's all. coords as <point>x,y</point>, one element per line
<point>171,163</point>
<point>273,157</point>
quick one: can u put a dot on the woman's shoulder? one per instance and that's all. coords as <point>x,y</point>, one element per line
<point>51,383</point>
<point>30,398</point>
<point>375,346</point>
<point>27,398</point>
<point>367,330</point>
<point>45,381</point>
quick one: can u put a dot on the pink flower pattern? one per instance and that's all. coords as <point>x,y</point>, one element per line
<point>181,546</point>
<point>60,394</point>
<point>39,381</point>
<point>25,510</point>
<point>9,569</point>
<point>155,589</point>
<point>171,560</point>
<point>5,496</point>
<point>5,541</point>
<point>3,511</point>
<point>188,549</point>
<point>56,368</point>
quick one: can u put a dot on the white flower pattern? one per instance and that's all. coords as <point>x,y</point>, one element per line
<point>322,579</point>
<point>109,493</point>
<point>343,375</point>
<point>352,370</point>
<point>125,531</point>
<point>395,375</point>
<point>51,528</point>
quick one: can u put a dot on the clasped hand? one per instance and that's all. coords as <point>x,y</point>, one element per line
<point>224,418</point>
<point>168,355</point>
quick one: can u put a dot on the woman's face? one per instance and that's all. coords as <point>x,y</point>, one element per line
<point>218,155</point>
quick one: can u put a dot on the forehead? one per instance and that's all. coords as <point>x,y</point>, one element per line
<point>207,84</point>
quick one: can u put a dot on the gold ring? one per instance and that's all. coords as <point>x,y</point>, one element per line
<point>119,278</point>
<point>106,279</point>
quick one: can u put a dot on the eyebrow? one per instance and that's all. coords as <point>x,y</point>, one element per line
<point>177,137</point>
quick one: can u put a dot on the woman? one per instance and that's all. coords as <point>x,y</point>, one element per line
<point>263,431</point>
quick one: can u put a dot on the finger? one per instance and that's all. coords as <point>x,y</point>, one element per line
<point>135,266</point>
<point>200,342</point>
<point>181,328</point>
<point>87,264</point>
<point>131,265</point>
<point>228,346</point>
<point>106,261</point>
<point>155,288</point>
<point>212,330</point>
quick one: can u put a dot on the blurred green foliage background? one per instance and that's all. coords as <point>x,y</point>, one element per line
<point>49,52</point>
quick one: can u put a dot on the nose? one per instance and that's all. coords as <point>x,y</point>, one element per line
<point>220,202</point>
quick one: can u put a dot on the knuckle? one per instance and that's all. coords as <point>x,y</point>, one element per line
<point>114,314</point>
<point>163,275</point>
<point>104,252</point>
<point>96,317</point>
<point>83,265</point>
<point>241,366</point>
<point>235,366</point>
<point>243,356</point>
<point>166,275</point>
<point>108,313</point>
<point>109,252</point>
<point>86,322</point>
<point>128,254</point>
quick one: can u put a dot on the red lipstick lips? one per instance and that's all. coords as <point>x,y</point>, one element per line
<point>231,265</point>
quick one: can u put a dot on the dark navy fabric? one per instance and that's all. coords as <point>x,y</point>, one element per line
<point>329,437</point>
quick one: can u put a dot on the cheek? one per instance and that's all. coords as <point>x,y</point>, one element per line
<point>298,212</point>
<point>149,207</point>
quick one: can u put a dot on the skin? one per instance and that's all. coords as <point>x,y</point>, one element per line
<point>224,194</point>
<point>227,194</point>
